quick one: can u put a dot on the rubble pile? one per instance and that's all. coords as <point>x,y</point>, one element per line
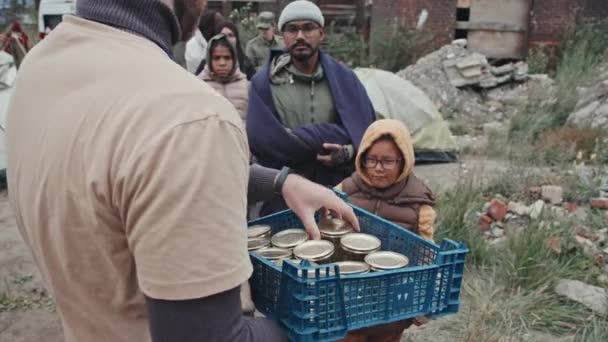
<point>467,89</point>
<point>592,108</point>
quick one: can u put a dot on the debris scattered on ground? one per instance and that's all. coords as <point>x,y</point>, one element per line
<point>592,297</point>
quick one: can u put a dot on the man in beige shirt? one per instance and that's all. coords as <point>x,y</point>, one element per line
<point>129,178</point>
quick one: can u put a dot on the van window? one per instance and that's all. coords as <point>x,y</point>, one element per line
<point>52,20</point>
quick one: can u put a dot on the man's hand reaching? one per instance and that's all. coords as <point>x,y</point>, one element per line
<point>305,198</point>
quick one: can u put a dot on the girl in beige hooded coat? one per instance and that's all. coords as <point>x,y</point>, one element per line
<point>222,73</point>
<point>384,182</point>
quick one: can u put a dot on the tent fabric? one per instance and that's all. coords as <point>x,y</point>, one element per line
<point>396,98</point>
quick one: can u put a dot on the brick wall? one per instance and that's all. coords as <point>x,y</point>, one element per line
<point>441,16</point>
<point>596,9</point>
<point>549,20</point>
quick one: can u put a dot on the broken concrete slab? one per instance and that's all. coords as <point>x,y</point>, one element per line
<point>552,194</point>
<point>592,297</point>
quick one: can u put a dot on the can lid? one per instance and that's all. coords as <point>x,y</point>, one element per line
<point>273,253</point>
<point>360,242</point>
<point>386,260</point>
<point>314,250</point>
<point>334,227</point>
<point>289,238</point>
<point>351,267</point>
<point>258,230</point>
<point>257,243</point>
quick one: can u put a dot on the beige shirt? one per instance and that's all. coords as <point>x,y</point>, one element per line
<point>127,175</point>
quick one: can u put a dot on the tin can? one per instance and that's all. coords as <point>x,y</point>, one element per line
<point>385,261</point>
<point>257,243</point>
<point>332,230</point>
<point>355,246</point>
<point>274,254</point>
<point>289,238</point>
<point>259,231</point>
<point>318,251</point>
<point>351,267</point>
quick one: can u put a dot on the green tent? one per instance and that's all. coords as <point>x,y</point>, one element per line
<point>396,98</point>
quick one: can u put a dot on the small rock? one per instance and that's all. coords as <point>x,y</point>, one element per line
<point>558,211</point>
<point>584,233</point>
<point>589,248</point>
<point>554,244</point>
<point>599,203</point>
<point>602,279</point>
<point>535,190</point>
<point>509,217</point>
<point>592,297</point>
<point>497,232</point>
<point>485,207</point>
<point>460,42</point>
<point>536,209</point>
<point>497,210</point>
<point>518,209</point>
<point>552,194</point>
<point>485,222</point>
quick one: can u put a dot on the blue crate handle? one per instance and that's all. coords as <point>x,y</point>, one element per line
<point>342,195</point>
<point>448,244</point>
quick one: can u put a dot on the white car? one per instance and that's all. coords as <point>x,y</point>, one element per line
<point>50,14</point>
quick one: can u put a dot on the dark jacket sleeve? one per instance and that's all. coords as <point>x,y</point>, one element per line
<point>215,318</point>
<point>261,181</point>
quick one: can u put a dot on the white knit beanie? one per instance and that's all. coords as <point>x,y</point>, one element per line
<point>301,10</point>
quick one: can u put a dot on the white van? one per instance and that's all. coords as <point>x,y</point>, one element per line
<point>50,14</point>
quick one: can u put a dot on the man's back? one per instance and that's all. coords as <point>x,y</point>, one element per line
<point>98,128</point>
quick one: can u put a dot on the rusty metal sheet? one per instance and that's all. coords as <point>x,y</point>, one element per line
<point>498,28</point>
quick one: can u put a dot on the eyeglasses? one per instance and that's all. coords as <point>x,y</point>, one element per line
<point>307,29</point>
<point>387,164</point>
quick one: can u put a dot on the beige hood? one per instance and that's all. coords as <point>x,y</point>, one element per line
<point>400,134</point>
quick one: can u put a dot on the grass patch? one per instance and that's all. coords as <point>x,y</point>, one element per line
<point>9,302</point>
<point>538,125</point>
<point>508,293</point>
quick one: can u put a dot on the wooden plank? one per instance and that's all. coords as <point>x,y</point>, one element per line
<point>498,28</point>
<point>490,26</point>
<point>496,44</point>
<point>463,4</point>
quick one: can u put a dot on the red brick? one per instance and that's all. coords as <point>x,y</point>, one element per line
<point>599,203</point>
<point>497,210</point>
<point>571,207</point>
<point>554,244</point>
<point>485,222</point>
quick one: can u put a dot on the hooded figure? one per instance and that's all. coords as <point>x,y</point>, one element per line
<point>230,82</point>
<point>384,183</point>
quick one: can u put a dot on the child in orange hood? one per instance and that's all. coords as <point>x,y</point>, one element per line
<point>384,182</point>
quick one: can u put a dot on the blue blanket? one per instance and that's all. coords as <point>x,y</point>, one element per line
<point>275,146</point>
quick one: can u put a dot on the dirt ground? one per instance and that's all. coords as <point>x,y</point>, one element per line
<point>25,312</point>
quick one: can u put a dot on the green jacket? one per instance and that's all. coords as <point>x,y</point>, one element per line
<point>258,50</point>
<point>301,99</point>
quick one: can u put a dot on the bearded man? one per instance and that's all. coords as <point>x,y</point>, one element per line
<point>129,179</point>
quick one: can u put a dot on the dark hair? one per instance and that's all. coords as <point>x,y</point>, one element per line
<point>209,20</point>
<point>244,64</point>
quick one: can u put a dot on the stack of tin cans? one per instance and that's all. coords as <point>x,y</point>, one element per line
<point>354,253</point>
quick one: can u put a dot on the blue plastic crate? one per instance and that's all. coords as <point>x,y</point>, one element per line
<point>314,304</point>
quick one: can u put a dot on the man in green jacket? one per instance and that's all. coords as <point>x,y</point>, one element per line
<point>258,49</point>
